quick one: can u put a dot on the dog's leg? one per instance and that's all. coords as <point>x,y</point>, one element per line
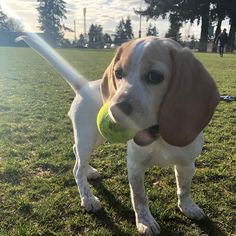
<point>83,114</point>
<point>82,170</point>
<point>184,175</point>
<point>145,222</point>
<point>92,173</point>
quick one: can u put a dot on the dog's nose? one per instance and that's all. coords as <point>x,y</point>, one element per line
<point>123,107</point>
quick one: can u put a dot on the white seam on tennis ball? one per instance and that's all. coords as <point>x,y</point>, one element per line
<point>111,116</point>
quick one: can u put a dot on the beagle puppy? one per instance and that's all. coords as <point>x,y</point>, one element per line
<point>162,92</point>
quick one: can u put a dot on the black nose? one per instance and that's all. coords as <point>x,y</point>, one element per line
<point>124,107</point>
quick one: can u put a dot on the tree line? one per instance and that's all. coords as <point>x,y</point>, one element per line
<point>206,12</point>
<point>123,33</point>
<point>52,14</point>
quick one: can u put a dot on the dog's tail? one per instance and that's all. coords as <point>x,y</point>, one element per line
<point>74,79</point>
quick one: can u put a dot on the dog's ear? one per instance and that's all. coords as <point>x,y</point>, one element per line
<point>190,100</point>
<point>108,83</point>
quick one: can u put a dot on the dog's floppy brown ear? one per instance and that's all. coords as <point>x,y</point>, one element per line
<point>108,85</point>
<point>190,100</point>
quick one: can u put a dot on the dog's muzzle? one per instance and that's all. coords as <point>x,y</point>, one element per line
<point>142,138</point>
<point>147,136</point>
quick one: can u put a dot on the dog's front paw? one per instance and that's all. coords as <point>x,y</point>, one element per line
<point>148,226</point>
<point>91,204</point>
<point>191,209</point>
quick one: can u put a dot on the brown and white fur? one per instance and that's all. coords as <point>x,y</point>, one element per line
<point>177,99</point>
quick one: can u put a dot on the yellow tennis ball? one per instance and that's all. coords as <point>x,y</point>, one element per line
<point>109,129</point>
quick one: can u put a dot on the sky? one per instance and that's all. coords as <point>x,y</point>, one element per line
<point>106,13</point>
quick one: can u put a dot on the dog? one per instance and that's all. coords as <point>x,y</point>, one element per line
<point>162,92</point>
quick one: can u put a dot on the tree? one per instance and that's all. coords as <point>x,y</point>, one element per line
<point>232,31</point>
<point>91,33</point>
<point>107,38</point>
<point>81,40</point>
<point>151,31</point>
<point>192,43</point>
<point>14,26</point>
<point>163,8</point>
<point>120,36</point>
<point>9,25</point>
<point>95,34</point>
<point>9,30</point>
<point>173,31</point>
<point>51,15</point>
<point>204,10</point>
<point>231,12</point>
<point>218,14</point>
<point>124,31</point>
<point>221,10</point>
<point>184,10</point>
<point>128,28</point>
<point>3,22</point>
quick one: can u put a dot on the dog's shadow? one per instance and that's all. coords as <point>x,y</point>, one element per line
<point>206,226</point>
<point>210,228</point>
<point>103,217</point>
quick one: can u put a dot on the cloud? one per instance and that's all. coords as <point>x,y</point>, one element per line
<point>25,11</point>
<point>107,13</point>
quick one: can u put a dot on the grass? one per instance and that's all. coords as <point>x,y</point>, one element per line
<point>38,193</point>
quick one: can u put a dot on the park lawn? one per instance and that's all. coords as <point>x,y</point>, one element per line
<point>38,194</point>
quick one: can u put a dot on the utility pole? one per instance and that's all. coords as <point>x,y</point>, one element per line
<point>75,31</point>
<point>85,33</point>
<point>140,32</point>
<point>140,20</point>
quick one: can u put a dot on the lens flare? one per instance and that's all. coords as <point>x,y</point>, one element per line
<point>73,77</point>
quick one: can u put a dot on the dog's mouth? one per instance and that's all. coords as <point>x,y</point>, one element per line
<point>147,136</point>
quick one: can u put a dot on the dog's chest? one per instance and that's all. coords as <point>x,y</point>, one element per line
<point>162,154</point>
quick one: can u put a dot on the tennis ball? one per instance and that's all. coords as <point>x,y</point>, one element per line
<point>109,129</point>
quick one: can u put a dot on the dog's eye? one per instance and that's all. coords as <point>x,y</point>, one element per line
<point>154,77</point>
<point>119,73</point>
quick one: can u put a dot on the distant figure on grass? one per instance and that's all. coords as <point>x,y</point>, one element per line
<point>221,40</point>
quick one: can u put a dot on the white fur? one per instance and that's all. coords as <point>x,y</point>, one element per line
<point>139,158</point>
<point>83,114</point>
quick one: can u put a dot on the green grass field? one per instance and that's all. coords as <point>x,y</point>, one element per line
<point>38,194</point>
